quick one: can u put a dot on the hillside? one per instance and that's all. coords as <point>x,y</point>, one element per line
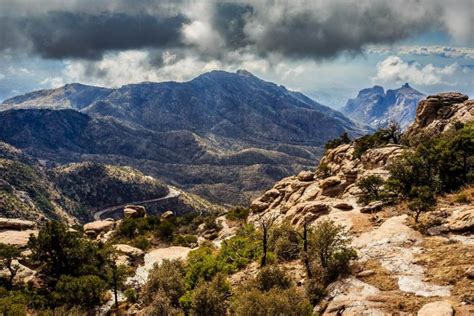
<point>72,193</point>
<point>377,107</point>
<point>209,135</point>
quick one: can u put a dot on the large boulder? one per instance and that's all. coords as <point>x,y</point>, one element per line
<point>134,211</point>
<point>97,227</point>
<point>462,220</point>
<point>16,224</point>
<point>129,250</point>
<point>306,176</point>
<point>17,238</point>
<point>436,309</point>
<point>166,215</point>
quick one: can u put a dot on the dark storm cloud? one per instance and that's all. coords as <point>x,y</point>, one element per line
<point>229,20</point>
<point>84,35</point>
<point>295,29</point>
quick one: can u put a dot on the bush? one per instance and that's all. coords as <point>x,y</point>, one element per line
<point>131,295</point>
<point>291,302</point>
<point>285,242</point>
<point>333,143</point>
<point>328,249</point>
<point>381,137</point>
<point>270,277</point>
<point>462,197</point>
<point>185,240</point>
<point>162,306</point>
<point>141,242</point>
<point>323,171</point>
<point>202,265</point>
<point>86,291</point>
<point>167,279</point>
<point>421,200</point>
<point>444,163</point>
<point>209,298</point>
<point>238,214</point>
<point>371,187</point>
<point>315,291</point>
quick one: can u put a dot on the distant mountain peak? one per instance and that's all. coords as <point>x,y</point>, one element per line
<point>377,107</point>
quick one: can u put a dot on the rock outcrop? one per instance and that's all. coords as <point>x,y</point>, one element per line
<point>16,224</point>
<point>438,113</point>
<point>291,197</point>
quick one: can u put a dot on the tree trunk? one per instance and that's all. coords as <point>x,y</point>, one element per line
<point>264,256</point>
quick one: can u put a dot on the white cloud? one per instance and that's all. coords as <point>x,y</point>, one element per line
<point>394,70</point>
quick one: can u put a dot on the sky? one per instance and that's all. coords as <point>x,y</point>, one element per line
<point>327,49</point>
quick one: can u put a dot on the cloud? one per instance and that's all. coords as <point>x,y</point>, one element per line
<point>394,69</point>
<point>73,35</point>
<point>439,51</point>
<point>293,29</point>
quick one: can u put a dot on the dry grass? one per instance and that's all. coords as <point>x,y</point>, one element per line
<point>381,279</point>
<point>446,263</point>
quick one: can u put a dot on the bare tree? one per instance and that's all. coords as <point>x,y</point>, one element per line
<point>304,237</point>
<point>265,222</point>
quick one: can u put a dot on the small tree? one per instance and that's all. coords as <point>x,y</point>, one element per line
<point>7,254</point>
<point>265,222</point>
<point>209,298</point>
<point>329,248</point>
<point>371,187</point>
<point>422,200</point>
<point>116,275</point>
<point>270,277</point>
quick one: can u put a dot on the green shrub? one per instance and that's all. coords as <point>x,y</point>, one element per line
<point>86,291</point>
<point>131,295</point>
<point>270,277</point>
<point>290,302</point>
<point>185,240</point>
<point>285,242</point>
<point>329,249</point>
<point>323,171</point>
<point>238,214</point>
<point>141,242</point>
<point>202,265</point>
<point>315,291</point>
<point>371,187</point>
<point>421,200</point>
<point>333,143</point>
<point>167,279</point>
<point>462,198</point>
<point>209,298</point>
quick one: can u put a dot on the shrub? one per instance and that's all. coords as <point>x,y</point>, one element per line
<point>202,265</point>
<point>141,242</point>
<point>422,200</point>
<point>270,277</point>
<point>86,291</point>
<point>238,214</point>
<point>7,254</point>
<point>323,171</point>
<point>333,143</point>
<point>371,187</point>
<point>285,242</point>
<point>462,197</point>
<point>162,306</point>
<point>131,295</point>
<point>185,240</point>
<point>315,291</point>
<point>13,303</point>
<point>328,248</point>
<point>291,302</point>
<point>167,279</point>
<point>209,298</point>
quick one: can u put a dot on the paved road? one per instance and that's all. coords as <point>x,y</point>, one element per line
<point>171,194</point>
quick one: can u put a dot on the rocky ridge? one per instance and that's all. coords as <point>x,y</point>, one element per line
<point>398,265</point>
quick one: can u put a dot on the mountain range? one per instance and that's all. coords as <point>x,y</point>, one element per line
<point>224,136</point>
<point>376,107</point>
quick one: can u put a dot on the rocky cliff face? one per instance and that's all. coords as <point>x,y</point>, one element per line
<point>438,113</point>
<point>377,108</point>
<point>398,265</point>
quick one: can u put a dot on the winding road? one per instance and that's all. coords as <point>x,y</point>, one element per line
<point>172,193</point>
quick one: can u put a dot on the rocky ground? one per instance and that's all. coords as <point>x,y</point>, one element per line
<point>398,268</point>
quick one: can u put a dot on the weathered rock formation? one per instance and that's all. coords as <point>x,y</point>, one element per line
<point>438,113</point>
